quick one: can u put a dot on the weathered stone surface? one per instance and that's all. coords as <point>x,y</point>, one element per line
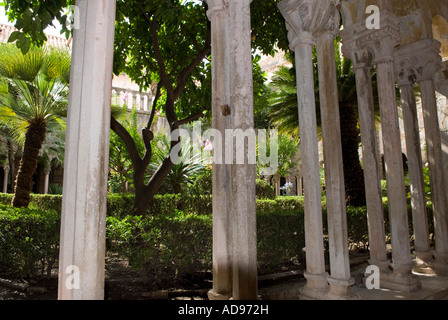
<point>235,240</point>
<point>83,225</point>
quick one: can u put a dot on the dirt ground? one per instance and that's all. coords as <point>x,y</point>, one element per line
<point>124,284</point>
<point>120,286</point>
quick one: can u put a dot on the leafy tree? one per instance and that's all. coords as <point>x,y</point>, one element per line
<point>189,166</point>
<point>33,101</point>
<point>166,42</point>
<point>120,165</point>
<point>32,17</point>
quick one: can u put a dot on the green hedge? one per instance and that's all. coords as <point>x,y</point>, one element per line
<point>166,245</point>
<point>29,241</point>
<point>264,190</point>
<point>120,205</point>
<point>168,242</point>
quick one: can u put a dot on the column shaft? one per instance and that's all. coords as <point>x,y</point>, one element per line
<point>46,182</point>
<point>315,261</point>
<point>245,283</point>
<point>438,186</point>
<point>83,228</point>
<point>222,185</point>
<point>414,156</point>
<point>401,252</point>
<point>340,280</point>
<point>375,212</point>
<point>5,179</point>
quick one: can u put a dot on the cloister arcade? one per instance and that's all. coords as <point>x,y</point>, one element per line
<point>405,45</point>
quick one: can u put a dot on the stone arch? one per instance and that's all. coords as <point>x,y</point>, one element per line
<point>354,11</point>
<point>440,33</point>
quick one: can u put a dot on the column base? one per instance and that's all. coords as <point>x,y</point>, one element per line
<point>213,295</point>
<point>423,262</point>
<point>402,279</point>
<point>384,271</point>
<point>316,287</point>
<point>440,263</point>
<point>383,265</point>
<point>340,289</point>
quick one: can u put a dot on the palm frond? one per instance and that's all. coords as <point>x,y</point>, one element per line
<point>32,88</point>
<point>13,64</point>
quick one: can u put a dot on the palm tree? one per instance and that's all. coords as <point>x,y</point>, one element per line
<point>33,102</point>
<point>283,111</point>
<point>189,165</point>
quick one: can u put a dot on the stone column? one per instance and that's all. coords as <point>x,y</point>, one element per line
<point>429,64</point>
<point>5,179</point>
<point>83,225</point>
<point>245,281</point>
<point>46,181</point>
<point>340,280</point>
<point>301,41</point>
<point>406,79</point>
<point>361,59</point>
<point>381,43</point>
<point>222,186</point>
<point>235,238</point>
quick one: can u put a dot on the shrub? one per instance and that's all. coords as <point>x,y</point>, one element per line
<point>264,190</point>
<point>357,225</point>
<point>281,239</point>
<point>171,245</point>
<point>120,205</point>
<point>167,243</point>
<point>180,244</point>
<point>29,241</point>
<point>46,202</point>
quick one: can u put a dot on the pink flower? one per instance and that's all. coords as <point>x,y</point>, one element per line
<point>208,145</point>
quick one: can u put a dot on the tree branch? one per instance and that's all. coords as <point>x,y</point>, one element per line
<point>181,79</point>
<point>190,118</point>
<point>154,105</point>
<point>127,140</point>
<point>153,24</point>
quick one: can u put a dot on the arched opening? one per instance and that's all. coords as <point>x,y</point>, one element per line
<point>440,33</point>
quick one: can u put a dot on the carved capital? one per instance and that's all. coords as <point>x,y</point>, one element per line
<point>307,19</point>
<point>418,61</point>
<point>380,42</point>
<point>404,73</point>
<point>361,57</point>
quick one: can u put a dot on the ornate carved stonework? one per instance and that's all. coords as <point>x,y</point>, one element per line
<point>306,19</point>
<point>380,42</point>
<point>418,61</point>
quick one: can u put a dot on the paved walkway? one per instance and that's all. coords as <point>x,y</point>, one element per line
<point>434,287</point>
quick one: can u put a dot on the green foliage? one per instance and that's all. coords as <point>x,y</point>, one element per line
<point>29,241</point>
<point>167,245</point>
<point>185,170</point>
<point>32,17</point>
<point>357,225</point>
<point>264,190</point>
<point>180,244</point>
<point>426,184</point>
<point>281,240</point>
<point>121,168</point>
<point>46,202</point>
<point>34,87</point>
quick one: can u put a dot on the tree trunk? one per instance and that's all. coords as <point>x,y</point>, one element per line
<point>353,172</point>
<point>144,194</point>
<point>34,138</point>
